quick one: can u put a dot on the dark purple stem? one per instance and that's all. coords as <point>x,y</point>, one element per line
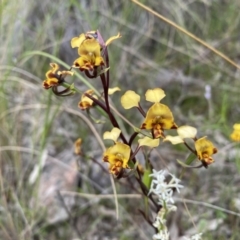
<point>132,138</point>
<point>193,151</point>
<point>97,102</point>
<point>135,152</point>
<point>141,110</point>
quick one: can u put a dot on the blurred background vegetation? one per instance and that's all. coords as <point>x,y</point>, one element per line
<point>41,180</point>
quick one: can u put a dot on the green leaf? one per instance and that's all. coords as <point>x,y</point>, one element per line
<point>183,164</point>
<point>103,71</point>
<point>146,179</point>
<point>187,163</point>
<point>190,159</point>
<point>132,165</point>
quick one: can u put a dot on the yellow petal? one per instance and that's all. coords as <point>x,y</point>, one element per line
<point>65,73</point>
<point>50,73</point>
<point>77,41</point>
<point>54,67</point>
<point>235,136</point>
<point>113,135</point>
<point>98,61</point>
<point>130,99</point>
<point>187,132</point>
<point>173,139</point>
<point>89,47</point>
<point>155,95</point>
<point>77,146</point>
<point>47,84</point>
<point>236,126</point>
<point>89,91</point>
<point>146,141</point>
<point>87,62</point>
<point>112,39</point>
<point>113,90</point>
<point>83,105</point>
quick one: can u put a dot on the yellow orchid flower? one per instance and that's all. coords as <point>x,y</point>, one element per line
<point>118,157</point>
<point>159,117</point>
<point>55,77</point>
<point>205,149</point>
<point>90,55</point>
<point>86,102</point>
<point>235,136</point>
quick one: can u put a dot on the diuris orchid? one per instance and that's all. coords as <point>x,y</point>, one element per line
<point>158,118</point>
<point>89,47</point>
<point>90,55</point>
<point>118,157</point>
<point>55,77</point>
<point>235,136</point>
<point>205,149</point>
<point>86,102</point>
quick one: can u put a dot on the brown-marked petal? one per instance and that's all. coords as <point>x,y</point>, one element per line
<point>89,47</point>
<point>159,114</point>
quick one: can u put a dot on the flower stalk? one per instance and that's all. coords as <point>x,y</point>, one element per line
<point>122,155</point>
